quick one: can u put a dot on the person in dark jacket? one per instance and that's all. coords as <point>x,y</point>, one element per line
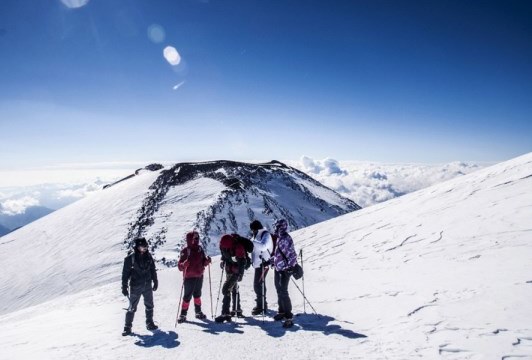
<point>234,263</point>
<point>192,262</point>
<point>284,259</point>
<point>139,273</point>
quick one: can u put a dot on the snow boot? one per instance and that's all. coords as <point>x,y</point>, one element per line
<point>258,311</point>
<point>200,315</point>
<point>127,331</point>
<point>279,316</point>
<point>151,326</point>
<point>288,323</point>
<point>223,318</point>
<point>238,314</point>
<point>182,318</point>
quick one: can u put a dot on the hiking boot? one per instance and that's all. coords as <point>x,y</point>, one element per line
<point>279,316</point>
<point>151,326</point>
<point>223,318</point>
<point>288,323</point>
<point>127,331</point>
<point>200,315</point>
<point>258,311</point>
<point>182,318</point>
<point>238,313</point>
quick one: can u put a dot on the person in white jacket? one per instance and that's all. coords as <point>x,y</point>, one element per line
<point>260,258</point>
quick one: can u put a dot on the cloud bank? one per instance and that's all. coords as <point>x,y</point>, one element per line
<point>369,183</point>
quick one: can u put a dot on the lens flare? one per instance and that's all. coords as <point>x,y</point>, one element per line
<point>171,55</point>
<point>156,33</point>
<point>74,4</point>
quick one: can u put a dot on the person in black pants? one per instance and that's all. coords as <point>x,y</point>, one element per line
<point>234,264</point>
<point>139,271</point>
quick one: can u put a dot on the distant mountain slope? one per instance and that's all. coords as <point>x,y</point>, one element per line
<point>221,197</point>
<point>3,230</point>
<point>31,214</point>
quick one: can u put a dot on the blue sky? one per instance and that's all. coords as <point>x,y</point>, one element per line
<point>395,81</point>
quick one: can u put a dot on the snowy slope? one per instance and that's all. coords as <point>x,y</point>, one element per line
<point>82,245</point>
<point>441,273</point>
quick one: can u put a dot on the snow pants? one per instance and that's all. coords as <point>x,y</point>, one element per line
<point>230,290</point>
<point>281,280</point>
<point>192,287</point>
<point>134,297</point>
<point>259,284</point>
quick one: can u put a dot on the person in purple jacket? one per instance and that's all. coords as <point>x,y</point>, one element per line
<point>284,259</point>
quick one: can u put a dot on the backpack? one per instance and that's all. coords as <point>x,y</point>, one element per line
<point>245,242</point>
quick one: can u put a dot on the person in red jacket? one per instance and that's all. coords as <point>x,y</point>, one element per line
<point>192,262</point>
<point>234,262</point>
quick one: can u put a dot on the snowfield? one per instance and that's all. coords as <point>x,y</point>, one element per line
<point>442,273</point>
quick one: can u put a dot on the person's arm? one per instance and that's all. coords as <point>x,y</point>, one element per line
<point>126,273</point>
<point>153,271</point>
<point>183,260</point>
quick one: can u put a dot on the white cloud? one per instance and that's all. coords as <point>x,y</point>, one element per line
<point>171,55</point>
<point>78,192</point>
<point>371,183</point>
<point>17,206</point>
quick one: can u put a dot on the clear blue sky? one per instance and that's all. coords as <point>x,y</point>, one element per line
<point>423,81</point>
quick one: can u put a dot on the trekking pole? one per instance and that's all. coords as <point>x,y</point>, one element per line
<point>303,280</point>
<point>263,276</point>
<point>304,297</point>
<point>180,297</point>
<point>210,290</point>
<point>237,298</point>
<point>219,289</point>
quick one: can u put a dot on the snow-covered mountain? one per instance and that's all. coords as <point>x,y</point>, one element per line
<point>440,273</point>
<point>82,245</point>
<point>222,197</point>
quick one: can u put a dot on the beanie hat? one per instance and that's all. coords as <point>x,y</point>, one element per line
<point>256,225</point>
<point>141,242</point>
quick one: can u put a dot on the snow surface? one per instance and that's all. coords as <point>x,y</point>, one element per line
<point>440,273</point>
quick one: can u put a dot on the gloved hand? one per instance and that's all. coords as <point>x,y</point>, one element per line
<point>155,285</point>
<point>209,260</point>
<point>222,264</point>
<point>240,277</point>
<point>124,291</point>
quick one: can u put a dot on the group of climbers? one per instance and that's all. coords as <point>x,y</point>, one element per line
<point>267,250</point>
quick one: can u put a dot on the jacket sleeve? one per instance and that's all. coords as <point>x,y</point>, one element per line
<point>182,259</point>
<point>264,242</point>
<point>286,245</point>
<point>126,271</point>
<point>153,270</point>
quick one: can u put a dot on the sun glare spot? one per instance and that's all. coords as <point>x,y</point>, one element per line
<point>74,4</point>
<point>171,55</point>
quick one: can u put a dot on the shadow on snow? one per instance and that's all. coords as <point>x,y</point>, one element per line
<point>213,328</point>
<point>304,322</point>
<point>158,338</point>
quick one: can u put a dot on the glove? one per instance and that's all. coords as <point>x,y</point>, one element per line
<point>155,285</point>
<point>222,264</point>
<point>209,260</point>
<point>240,277</point>
<point>125,292</point>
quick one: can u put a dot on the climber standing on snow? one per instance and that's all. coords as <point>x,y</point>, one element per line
<point>260,257</point>
<point>284,259</point>
<point>192,262</point>
<point>139,271</point>
<point>234,264</point>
